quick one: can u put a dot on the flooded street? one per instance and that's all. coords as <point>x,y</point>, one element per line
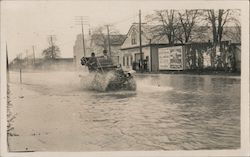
<point>54,112</point>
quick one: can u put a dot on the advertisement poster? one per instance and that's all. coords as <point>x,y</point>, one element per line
<point>170,58</point>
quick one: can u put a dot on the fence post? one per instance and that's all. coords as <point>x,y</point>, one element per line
<point>20,75</point>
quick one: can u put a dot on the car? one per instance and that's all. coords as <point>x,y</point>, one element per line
<point>109,76</point>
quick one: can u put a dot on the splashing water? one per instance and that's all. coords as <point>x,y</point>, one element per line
<point>150,85</point>
<point>96,81</point>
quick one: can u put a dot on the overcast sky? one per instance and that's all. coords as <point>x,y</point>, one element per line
<point>27,23</point>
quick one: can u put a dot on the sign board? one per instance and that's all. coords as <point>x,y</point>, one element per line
<point>170,58</point>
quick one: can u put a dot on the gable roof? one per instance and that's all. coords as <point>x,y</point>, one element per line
<point>201,34</point>
<point>148,31</point>
<point>205,33</point>
<point>115,40</point>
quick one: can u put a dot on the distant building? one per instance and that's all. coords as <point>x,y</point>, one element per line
<point>78,52</point>
<point>63,63</point>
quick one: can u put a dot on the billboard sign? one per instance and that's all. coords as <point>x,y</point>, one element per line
<point>170,58</point>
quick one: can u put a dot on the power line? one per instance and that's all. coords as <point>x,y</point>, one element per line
<point>66,42</point>
<point>123,20</point>
<point>126,19</point>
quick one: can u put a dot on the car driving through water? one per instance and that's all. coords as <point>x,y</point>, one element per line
<point>107,75</point>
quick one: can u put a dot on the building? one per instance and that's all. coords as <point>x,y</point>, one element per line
<point>150,44</point>
<point>78,52</point>
<point>158,54</point>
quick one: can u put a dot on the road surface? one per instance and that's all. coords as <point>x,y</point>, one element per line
<point>55,112</point>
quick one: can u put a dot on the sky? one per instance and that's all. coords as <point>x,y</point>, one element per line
<point>29,23</point>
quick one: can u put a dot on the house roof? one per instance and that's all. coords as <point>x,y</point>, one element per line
<point>204,34</point>
<point>148,31</point>
<point>201,34</point>
<point>98,39</point>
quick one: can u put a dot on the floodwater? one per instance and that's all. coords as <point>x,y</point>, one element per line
<point>54,112</point>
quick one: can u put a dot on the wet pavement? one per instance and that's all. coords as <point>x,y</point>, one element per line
<point>166,112</point>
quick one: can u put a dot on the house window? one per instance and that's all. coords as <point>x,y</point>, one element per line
<point>123,61</point>
<point>131,60</point>
<point>127,61</point>
<point>133,38</point>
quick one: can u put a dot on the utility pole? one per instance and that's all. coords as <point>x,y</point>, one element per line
<point>81,21</point>
<point>20,66</point>
<point>7,61</point>
<point>34,57</point>
<point>27,58</point>
<point>52,44</point>
<point>108,40</point>
<point>141,57</point>
<point>83,42</point>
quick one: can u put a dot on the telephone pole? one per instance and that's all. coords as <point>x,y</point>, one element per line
<point>108,40</point>
<point>81,22</point>
<point>140,46</point>
<point>83,43</point>
<point>7,60</point>
<point>27,57</point>
<point>34,57</point>
<point>52,44</point>
<point>20,66</point>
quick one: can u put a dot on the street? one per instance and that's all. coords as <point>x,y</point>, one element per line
<point>55,112</point>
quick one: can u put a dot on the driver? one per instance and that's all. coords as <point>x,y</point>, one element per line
<point>92,62</point>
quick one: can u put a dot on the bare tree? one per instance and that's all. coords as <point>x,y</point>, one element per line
<point>166,24</point>
<point>99,38</point>
<point>177,25</point>
<point>187,21</point>
<point>235,31</point>
<point>53,51</point>
<point>218,20</point>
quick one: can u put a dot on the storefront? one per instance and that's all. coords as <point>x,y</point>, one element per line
<point>132,59</point>
<point>148,59</point>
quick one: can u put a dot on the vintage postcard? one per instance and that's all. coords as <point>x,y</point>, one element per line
<point>124,78</point>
